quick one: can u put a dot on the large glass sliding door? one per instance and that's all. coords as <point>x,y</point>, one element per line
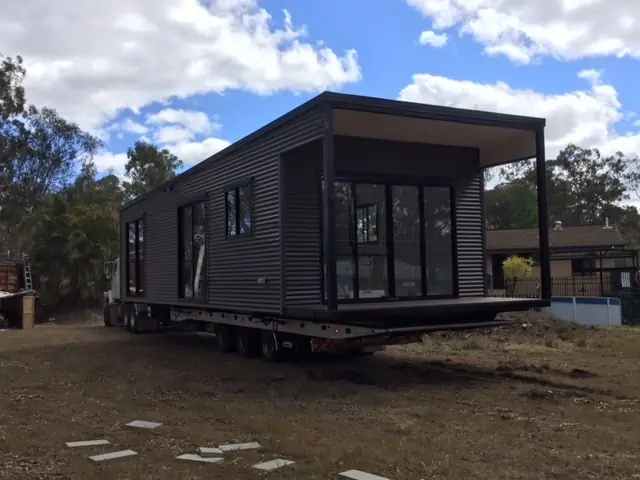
<point>407,243</point>
<point>393,241</point>
<point>371,240</point>
<point>438,242</point>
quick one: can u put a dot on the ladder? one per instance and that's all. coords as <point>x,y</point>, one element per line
<point>28,280</point>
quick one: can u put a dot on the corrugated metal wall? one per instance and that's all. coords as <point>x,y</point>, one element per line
<point>234,264</point>
<point>302,228</point>
<point>470,237</point>
<point>302,231</point>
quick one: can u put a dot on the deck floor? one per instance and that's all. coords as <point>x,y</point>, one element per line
<point>440,302</point>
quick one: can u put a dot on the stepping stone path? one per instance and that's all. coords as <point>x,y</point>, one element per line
<point>207,454</point>
<point>113,455</point>
<point>88,443</point>
<point>192,457</point>
<point>273,464</point>
<point>360,475</point>
<point>233,447</point>
<point>144,424</point>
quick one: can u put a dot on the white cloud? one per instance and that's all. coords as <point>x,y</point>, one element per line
<point>523,30</point>
<point>186,133</point>
<point>91,60</point>
<point>107,161</point>
<point>429,37</point>
<point>195,152</point>
<point>192,120</point>
<point>586,117</point>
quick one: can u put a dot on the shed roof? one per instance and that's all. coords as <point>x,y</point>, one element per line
<point>582,236</point>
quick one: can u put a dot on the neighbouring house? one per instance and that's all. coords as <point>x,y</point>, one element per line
<point>587,257</point>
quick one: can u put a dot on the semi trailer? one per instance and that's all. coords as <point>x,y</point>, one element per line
<point>349,223</point>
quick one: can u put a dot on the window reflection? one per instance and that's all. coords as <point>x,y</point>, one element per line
<point>406,238</point>
<point>192,249</point>
<point>371,248</point>
<point>438,242</point>
<point>345,266</point>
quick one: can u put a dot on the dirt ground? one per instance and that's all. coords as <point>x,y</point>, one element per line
<point>540,400</point>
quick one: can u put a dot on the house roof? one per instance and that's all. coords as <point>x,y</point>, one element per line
<point>334,100</point>
<point>579,237</point>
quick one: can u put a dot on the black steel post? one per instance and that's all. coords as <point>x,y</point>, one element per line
<point>328,204</point>
<point>543,216</point>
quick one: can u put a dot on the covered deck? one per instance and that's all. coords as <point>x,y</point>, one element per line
<point>399,208</point>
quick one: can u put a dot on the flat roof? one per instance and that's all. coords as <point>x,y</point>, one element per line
<point>500,138</point>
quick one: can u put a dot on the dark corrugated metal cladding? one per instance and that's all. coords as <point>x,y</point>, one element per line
<point>234,265</point>
<point>469,238</point>
<point>302,226</point>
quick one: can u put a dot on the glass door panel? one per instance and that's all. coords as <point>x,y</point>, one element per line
<point>438,241</point>
<point>407,246</point>
<point>345,264</point>
<point>371,240</point>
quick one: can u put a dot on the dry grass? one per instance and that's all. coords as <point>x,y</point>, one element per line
<point>549,400</point>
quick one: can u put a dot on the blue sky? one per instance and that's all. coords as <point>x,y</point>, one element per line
<point>574,64</point>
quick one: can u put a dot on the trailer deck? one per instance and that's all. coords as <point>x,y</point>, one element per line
<point>414,312</point>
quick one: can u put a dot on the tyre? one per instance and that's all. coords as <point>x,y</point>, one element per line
<point>271,346</point>
<point>226,338</point>
<point>248,342</point>
<point>128,319</point>
<point>106,315</point>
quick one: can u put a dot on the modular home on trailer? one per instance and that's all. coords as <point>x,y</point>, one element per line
<point>349,218</point>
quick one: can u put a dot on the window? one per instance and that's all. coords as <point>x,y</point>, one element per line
<point>192,249</point>
<point>239,215</point>
<point>135,257</point>
<point>367,223</point>
<point>585,267</point>
<point>438,241</point>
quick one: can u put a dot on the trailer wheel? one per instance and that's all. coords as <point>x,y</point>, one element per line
<point>106,315</point>
<point>248,342</point>
<point>271,346</point>
<point>134,322</point>
<point>226,338</point>
<point>128,324</point>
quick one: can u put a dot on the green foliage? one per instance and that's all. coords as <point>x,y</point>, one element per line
<point>583,187</point>
<point>148,167</point>
<point>11,90</point>
<point>54,206</point>
<point>517,268</point>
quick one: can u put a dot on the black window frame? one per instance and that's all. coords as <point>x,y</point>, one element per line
<point>139,247</point>
<point>234,192</point>
<point>182,282</point>
<point>353,178</point>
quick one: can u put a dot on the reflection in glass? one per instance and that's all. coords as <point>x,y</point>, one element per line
<point>131,258</point>
<point>140,260</point>
<point>406,239</point>
<point>186,251</point>
<point>439,255</point>
<point>244,209</point>
<point>344,256</point>
<point>199,242</point>
<point>371,240</point>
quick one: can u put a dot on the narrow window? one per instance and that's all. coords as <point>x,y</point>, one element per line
<point>239,211</point>
<point>135,258</point>
<point>192,250</point>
